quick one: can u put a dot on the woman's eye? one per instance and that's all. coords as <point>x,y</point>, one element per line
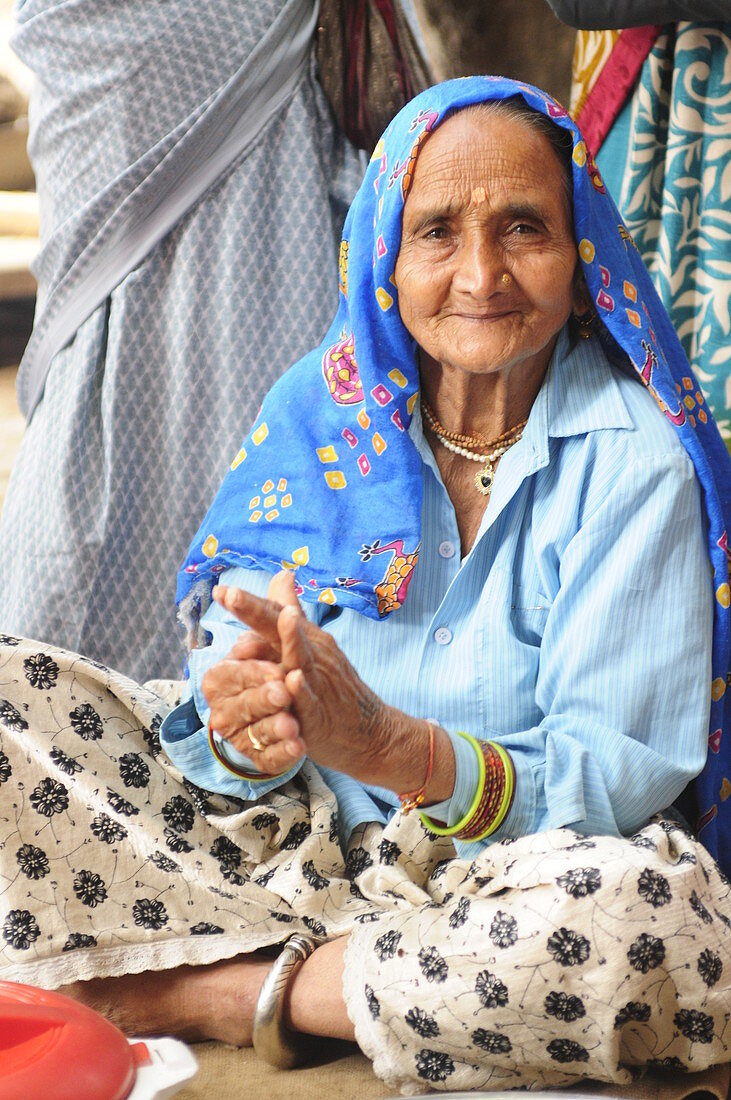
<point>436,233</point>
<point>523,228</point>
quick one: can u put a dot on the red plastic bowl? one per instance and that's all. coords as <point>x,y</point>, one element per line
<point>52,1048</point>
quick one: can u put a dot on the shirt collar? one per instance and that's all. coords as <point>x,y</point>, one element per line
<point>580,394</point>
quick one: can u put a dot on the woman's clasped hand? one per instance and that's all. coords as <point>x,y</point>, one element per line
<point>287,686</point>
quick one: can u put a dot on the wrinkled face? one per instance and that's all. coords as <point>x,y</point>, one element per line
<point>488,197</point>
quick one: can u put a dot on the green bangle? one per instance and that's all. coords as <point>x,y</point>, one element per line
<point>450,830</point>
<point>507,793</point>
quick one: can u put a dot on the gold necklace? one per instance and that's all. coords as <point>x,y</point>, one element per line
<point>479,450</point>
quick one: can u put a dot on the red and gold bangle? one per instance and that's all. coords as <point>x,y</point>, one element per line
<point>493,797</point>
<point>411,800</point>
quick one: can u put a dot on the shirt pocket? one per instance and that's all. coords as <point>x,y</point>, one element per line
<point>528,614</point>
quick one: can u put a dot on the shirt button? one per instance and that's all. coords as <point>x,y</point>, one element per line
<point>443,635</point>
<point>446,549</point>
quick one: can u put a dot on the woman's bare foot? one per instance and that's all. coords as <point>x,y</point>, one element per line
<point>216,1001</point>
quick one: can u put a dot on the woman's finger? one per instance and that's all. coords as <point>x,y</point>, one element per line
<point>259,740</point>
<point>232,713</point>
<point>252,647</point>
<point>282,590</point>
<point>255,612</point>
<point>295,647</point>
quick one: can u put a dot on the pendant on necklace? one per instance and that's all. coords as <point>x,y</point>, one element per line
<point>484,479</point>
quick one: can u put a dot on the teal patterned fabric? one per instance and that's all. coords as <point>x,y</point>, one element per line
<point>667,164</point>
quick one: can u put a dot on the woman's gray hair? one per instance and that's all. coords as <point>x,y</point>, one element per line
<point>517,110</point>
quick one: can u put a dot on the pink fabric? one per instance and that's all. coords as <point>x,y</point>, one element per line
<point>615,83</point>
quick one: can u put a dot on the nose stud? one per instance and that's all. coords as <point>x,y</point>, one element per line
<point>507,279</point>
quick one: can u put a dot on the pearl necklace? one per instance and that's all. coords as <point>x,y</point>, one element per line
<point>453,441</point>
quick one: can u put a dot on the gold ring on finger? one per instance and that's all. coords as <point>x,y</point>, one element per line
<point>258,745</point>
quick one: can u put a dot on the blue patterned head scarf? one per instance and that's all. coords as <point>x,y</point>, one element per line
<point>328,482</point>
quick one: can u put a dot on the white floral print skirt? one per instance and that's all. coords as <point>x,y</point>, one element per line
<point>548,959</point>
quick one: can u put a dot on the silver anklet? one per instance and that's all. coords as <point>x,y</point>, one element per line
<point>272,1040</point>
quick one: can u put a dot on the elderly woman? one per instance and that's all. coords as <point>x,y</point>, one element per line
<point>443,749</point>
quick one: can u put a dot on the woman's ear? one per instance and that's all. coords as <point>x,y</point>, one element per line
<point>581,298</point>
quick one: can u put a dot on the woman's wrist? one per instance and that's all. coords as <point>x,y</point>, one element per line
<point>400,758</point>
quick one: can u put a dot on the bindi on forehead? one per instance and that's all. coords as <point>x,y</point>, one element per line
<point>478,196</point>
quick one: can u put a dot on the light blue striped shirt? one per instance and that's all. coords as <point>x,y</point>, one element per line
<point>576,632</point>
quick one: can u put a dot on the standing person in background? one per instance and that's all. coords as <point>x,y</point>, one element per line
<point>193,185</point>
<point>652,96</point>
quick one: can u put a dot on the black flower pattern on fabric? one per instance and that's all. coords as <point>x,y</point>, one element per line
<point>388,852</point>
<point>356,861</point>
<point>494,1042</point>
<point>49,798</point>
<point>316,927</point>
<point>205,928</point>
<point>41,671</point>
<point>503,930</point>
<point>133,771</point>
<point>566,1050</point>
<point>233,876</point>
<point>640,841</point>
<point>367,918</point>
<point>710,966</point>
<point>671,1063</point>
<point>283,918</point>
<point>90,888</point>
<point>492,992</point>
<point>687,857</point>
<point>422,1023</point>
<point>568,948</point>
<point>296,835</point>
<point>432,965</point>
<point>8,639</point>
<point>106,829</point>
<point>646,953</point>
<point>69,765</point>
<point>20,929</point>
<point>333,830</point>
<point>121,805</point>
<point>151,736</point>
<point>263,821</point>
<point>77,940</point>
<point>179,814</point>
<point>175,842</point>
<point>264,880</point>
<point>633,1011</point>
<point>440,869</point>
<point>459,914</point>
<point>5,768</point>
<point>579,882</point>
<point>11,717</point>
<point>699,908</point>
<point>386,945</point>
<point>433,1065</point>
<point>86,722</point>
<point>32,861</point>
<point>150,913</point>
<point>564,1006</point>
<point>165,863</point>
<point>695,1025</point>
<point>316,881</point>
<point>228,854</point>
<point>654,888</point>
<point>374,1006</point>
<point>199,795</point>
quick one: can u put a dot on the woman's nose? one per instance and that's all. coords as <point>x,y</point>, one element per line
<point>479,269</point>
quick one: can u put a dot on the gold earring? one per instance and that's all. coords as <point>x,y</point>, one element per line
<point>507,279</point>
<point>585,324</point>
